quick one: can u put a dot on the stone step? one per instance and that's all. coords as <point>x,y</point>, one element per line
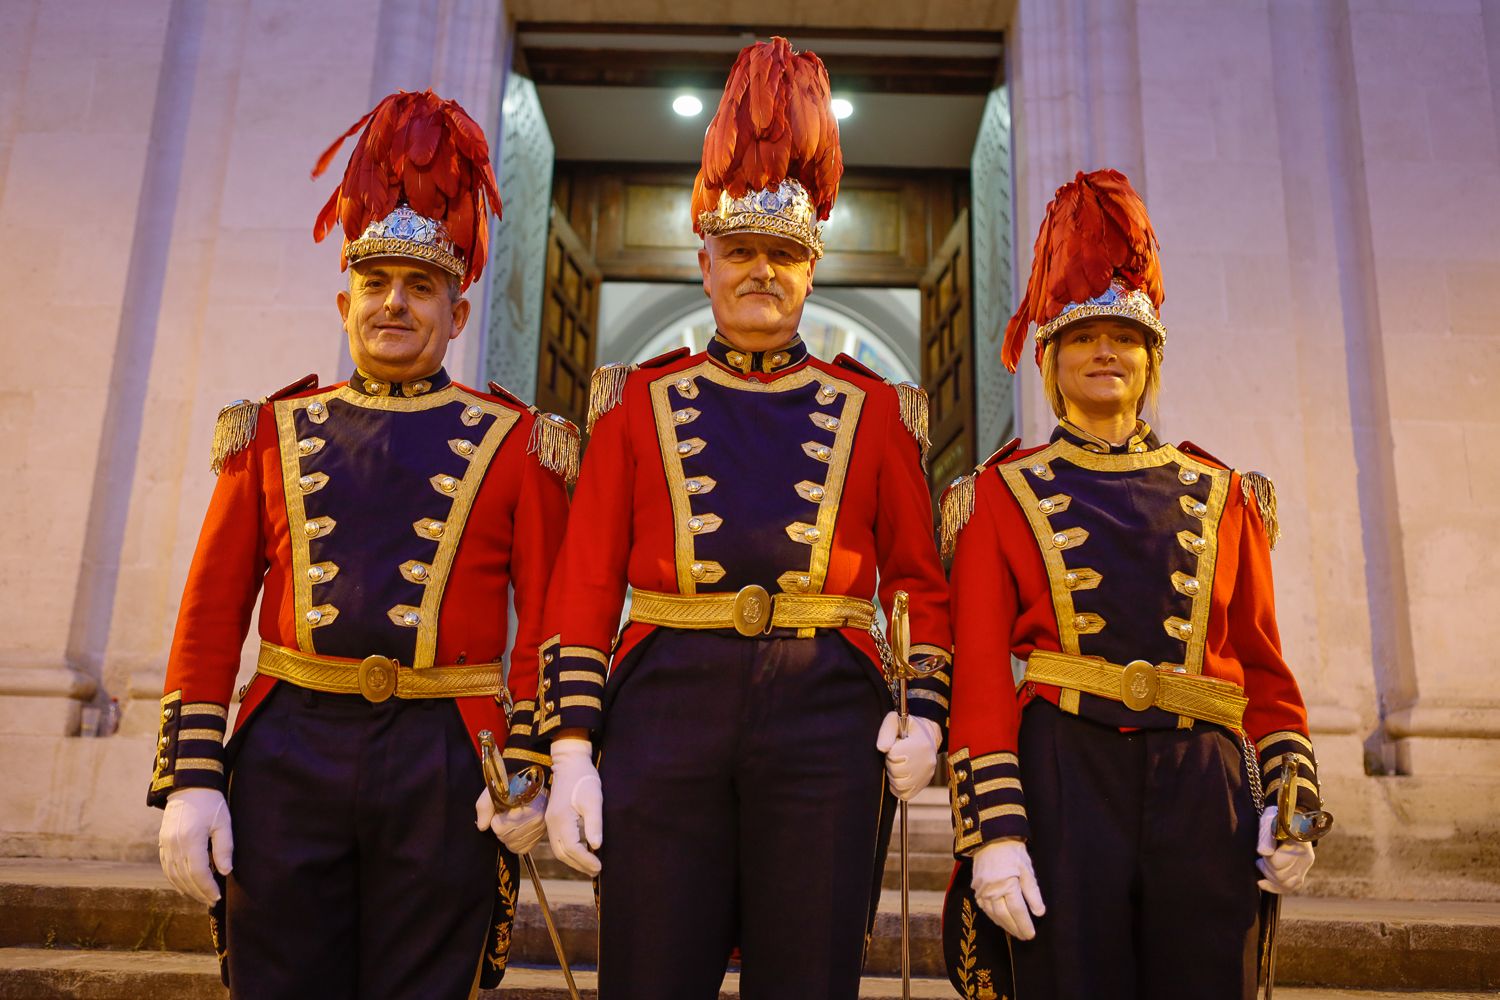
<point>56,974</point>
<point>1350,944</point>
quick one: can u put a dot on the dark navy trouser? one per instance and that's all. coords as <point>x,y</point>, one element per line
<point>358,871</point>
<point>1144,848</point>
<point>744,801</point>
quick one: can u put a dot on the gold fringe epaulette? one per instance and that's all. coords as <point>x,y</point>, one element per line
<point>914,413</point>
<point>606,389</point>
<point>554,442</point>
<point>1259,486</point>
<point>957,508</point>
<point>234,431</point>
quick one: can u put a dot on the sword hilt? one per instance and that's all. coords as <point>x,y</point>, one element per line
<point>507,791</point>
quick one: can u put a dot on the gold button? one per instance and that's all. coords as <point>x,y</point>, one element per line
<point>832,423</point>
<point>681,416</point>
<point>963,800</point>
<point>306,482</point>
<point>968,823</point>
<point>1138,448</point>
<point>546,683</point>
<point>812,534</point>
<point>1200,509</point>
<point>305,446</point>
<point>311,528</point>
<point>1059,539</point>
<point>824,451</point>
<point>1188,476</point>
<point>805,580</point>
<point>448,484</point>
<point>961,774</point>
<point>827,393</point>
<point>551,706</point>
<point>693,486</point>
<point>683,385</point>
<point>684,448</point>
<point>1038,470</point>
<point>419,572</point>
<point>697,570</point>
<point>161,762</point>
<point>1185,630</point>
<point>314,616</point>
<point>548,657</point>
<point>163,742</point>
<point>435,529</point>
<point>412,619</point>
<point>375,388</point>
<point>316,409</point>
<point>1071,580</point>
<point>695,524</point>
<point>1199,545</point>
<point>467,447</point>
<point>166,714</point>
<point>1190,585</point>
<point>1046,506</point>
<point>315,573</point>
<point>474,411</point>
<point>816,493</point>
<point>1080,621</point>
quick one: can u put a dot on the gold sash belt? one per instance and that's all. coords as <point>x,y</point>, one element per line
<point>376,677</point>
<point>752,611</point>
<point>1139,686</point>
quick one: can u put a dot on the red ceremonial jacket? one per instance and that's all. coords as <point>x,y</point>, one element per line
<point>1136,551</point>
<point>372,519</point>
<point>710,472</point>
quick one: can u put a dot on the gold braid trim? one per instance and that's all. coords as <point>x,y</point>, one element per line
<point>1259,485</point>
<point>957,508</point>
<point>554,442</point>
<point>234,431</point>
<point>606,389</point>
<point>914,411</point>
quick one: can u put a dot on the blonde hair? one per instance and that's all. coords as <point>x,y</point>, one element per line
<point>1149,397</point>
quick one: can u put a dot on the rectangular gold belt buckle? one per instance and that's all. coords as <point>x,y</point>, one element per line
<point>752,610</point>
<point>1138,685</point>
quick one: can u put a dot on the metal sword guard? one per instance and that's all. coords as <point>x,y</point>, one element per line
<point>507,792</point>
<point>1301,826</point>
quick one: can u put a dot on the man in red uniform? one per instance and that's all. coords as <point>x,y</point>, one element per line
<point>383,520</point>
<point>1134,580</point>
<point>751,495</point>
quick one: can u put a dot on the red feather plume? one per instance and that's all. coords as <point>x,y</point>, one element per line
<point>774,122</point>
<point>1095,230</point>
<point>426,152</point>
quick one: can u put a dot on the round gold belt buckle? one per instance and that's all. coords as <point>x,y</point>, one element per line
<point>377,678</point>
<point>1138,685</point>
<point>752,611</point>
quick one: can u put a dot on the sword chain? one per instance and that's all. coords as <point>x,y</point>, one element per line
<point>1252,768</point>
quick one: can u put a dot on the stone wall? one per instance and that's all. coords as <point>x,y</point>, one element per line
<point>1324,179</point>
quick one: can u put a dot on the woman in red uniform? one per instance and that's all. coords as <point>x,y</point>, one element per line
<point>1103,798</point>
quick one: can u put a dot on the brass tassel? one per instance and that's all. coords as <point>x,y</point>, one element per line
<point>554,442</point>
<point>1259,485</point>
<point>606,389</point>
<point>233,432</point>
<point>914,412</point>
<point>957,508</point>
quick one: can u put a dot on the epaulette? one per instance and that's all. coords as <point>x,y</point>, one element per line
<point>235,427</point>
<point>607,386</point>
<point>1259,486</point>
<point>496,389</point>
<point>913,399</point>
<point>957,505</point>
<point>554,442</point>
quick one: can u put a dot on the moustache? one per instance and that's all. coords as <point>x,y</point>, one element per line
<point>752,287</point>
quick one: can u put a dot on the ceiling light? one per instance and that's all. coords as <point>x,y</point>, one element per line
<point>842,108</point>
<point>687,106</point>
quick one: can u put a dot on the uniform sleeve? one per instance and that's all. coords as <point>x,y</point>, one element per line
<point>983,769</point>
<point>907,557</point>
<point>228,567</point>
<point>588,588</point>
<point>541,518</point>
<point>1276,718</point>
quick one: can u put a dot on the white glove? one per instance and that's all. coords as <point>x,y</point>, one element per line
<point>519,829</point>
<point>1005,887</point>
<point>194,817</point>
<point>577,802</point>
<point>909,762</point>
<point>1285,864</point>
